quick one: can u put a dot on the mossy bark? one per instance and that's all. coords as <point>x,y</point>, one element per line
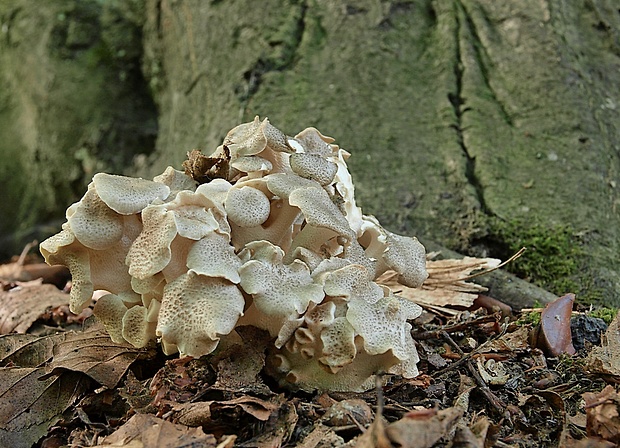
<point>73,101</point>
<point>480,124</point>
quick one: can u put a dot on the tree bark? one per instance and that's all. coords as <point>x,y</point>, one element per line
<point>480,124</point>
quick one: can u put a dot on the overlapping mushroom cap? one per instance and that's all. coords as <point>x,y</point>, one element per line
<point>265,232</point>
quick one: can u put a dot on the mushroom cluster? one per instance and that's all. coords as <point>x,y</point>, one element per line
<point>263,232</point>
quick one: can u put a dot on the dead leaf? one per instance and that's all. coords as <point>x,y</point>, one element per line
<point>321,436</point>
<point>553,334</point>
<point>21,306</point>
<point>510,342</point>
<point>492,372</point>
<point>31,405</point>
<point>92,352</point>
<point>348,412</point>
<point>148,431</point>
<point>474,436</point>
<point>423,430</point>
<point>375,436</point>
<point>200,413</point>
<point>603,414</point>
<point>606,358</point>
<point>445,285</point>
<point>25,350</point>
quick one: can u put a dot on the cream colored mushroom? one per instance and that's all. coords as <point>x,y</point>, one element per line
<point>313,166</point>
<point>127,195</point>
<point>195,311</point>
<point>247,206</point>
<point>280,291</point>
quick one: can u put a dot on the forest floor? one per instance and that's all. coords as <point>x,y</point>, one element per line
<point>489,376</point>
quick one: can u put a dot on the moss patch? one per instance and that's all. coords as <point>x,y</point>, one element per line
<point>555,258</point>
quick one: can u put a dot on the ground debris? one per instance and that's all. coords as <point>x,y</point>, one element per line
<point>483,383</point>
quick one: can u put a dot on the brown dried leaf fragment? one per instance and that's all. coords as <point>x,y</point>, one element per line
<point>446,284</point>
<point>148,431</point>
<point>421,429</point>
<point>605,359</point>
<point>553,334</point>
<point>204,169</point>
<point>21,306</point>
<point>31,404</point>
<point>603,414</point>
<point>93,353</point>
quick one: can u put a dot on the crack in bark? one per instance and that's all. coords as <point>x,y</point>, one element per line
<point>458,104</point>
<point>480,54</point>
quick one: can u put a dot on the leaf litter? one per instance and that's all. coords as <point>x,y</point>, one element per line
<point>486,380</point>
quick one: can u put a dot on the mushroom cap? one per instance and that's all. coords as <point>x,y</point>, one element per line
<point>279,291</point>
<point>195,311</point>
<point>110,310</point>
<point>252,164</point>
<point>128,195</point>
<point>253,138</point>
<point>64,249</point>
<point>314,142</point>
<point>175,180</point>
<point>383,324</point>
<point>213,256</point>
<point>137,330</point>
<point>93,223</point>
<point>313,166</point>
<point>247,206</point>
<point>407,256</point>
<point>150,252</point>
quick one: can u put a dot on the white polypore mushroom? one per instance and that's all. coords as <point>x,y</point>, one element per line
<point>247,206</point>
<point>383,326</point>
<point>128,195</point>
<point>64,249</point>
<point>313,166</point>
<point>259,138</point>
<point>213,256</point>
<point>110,310</point>
<point>195,311</point>
<point>176,181</point>
<point>280,292</point>
<point>93,223</point>
<point>150,252</point>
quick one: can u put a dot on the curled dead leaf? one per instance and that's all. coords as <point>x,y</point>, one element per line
<point>553,334</point>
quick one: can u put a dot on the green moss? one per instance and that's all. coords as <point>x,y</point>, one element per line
<point>553,258</point>
<point>531,318</point>
<point>607,314</point>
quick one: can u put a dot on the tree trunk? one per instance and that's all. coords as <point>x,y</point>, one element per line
<point>483,125</point>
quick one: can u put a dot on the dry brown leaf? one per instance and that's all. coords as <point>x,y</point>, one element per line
<point>603,414</point>
<point>492,372</point>
<point>200,413</point>
<point>321,436</point>
<point>148,431</point>
<point>375,436</point>
<point>24,304</point>
<point>25,350</point>
<point>31,405</point>
<point>474,436</point>
<point>421,430</point>
<point>606,358</point>
<point>445,285</point>
<point>553,334</point>
<point>514,341</point>
<point>92,352</point>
